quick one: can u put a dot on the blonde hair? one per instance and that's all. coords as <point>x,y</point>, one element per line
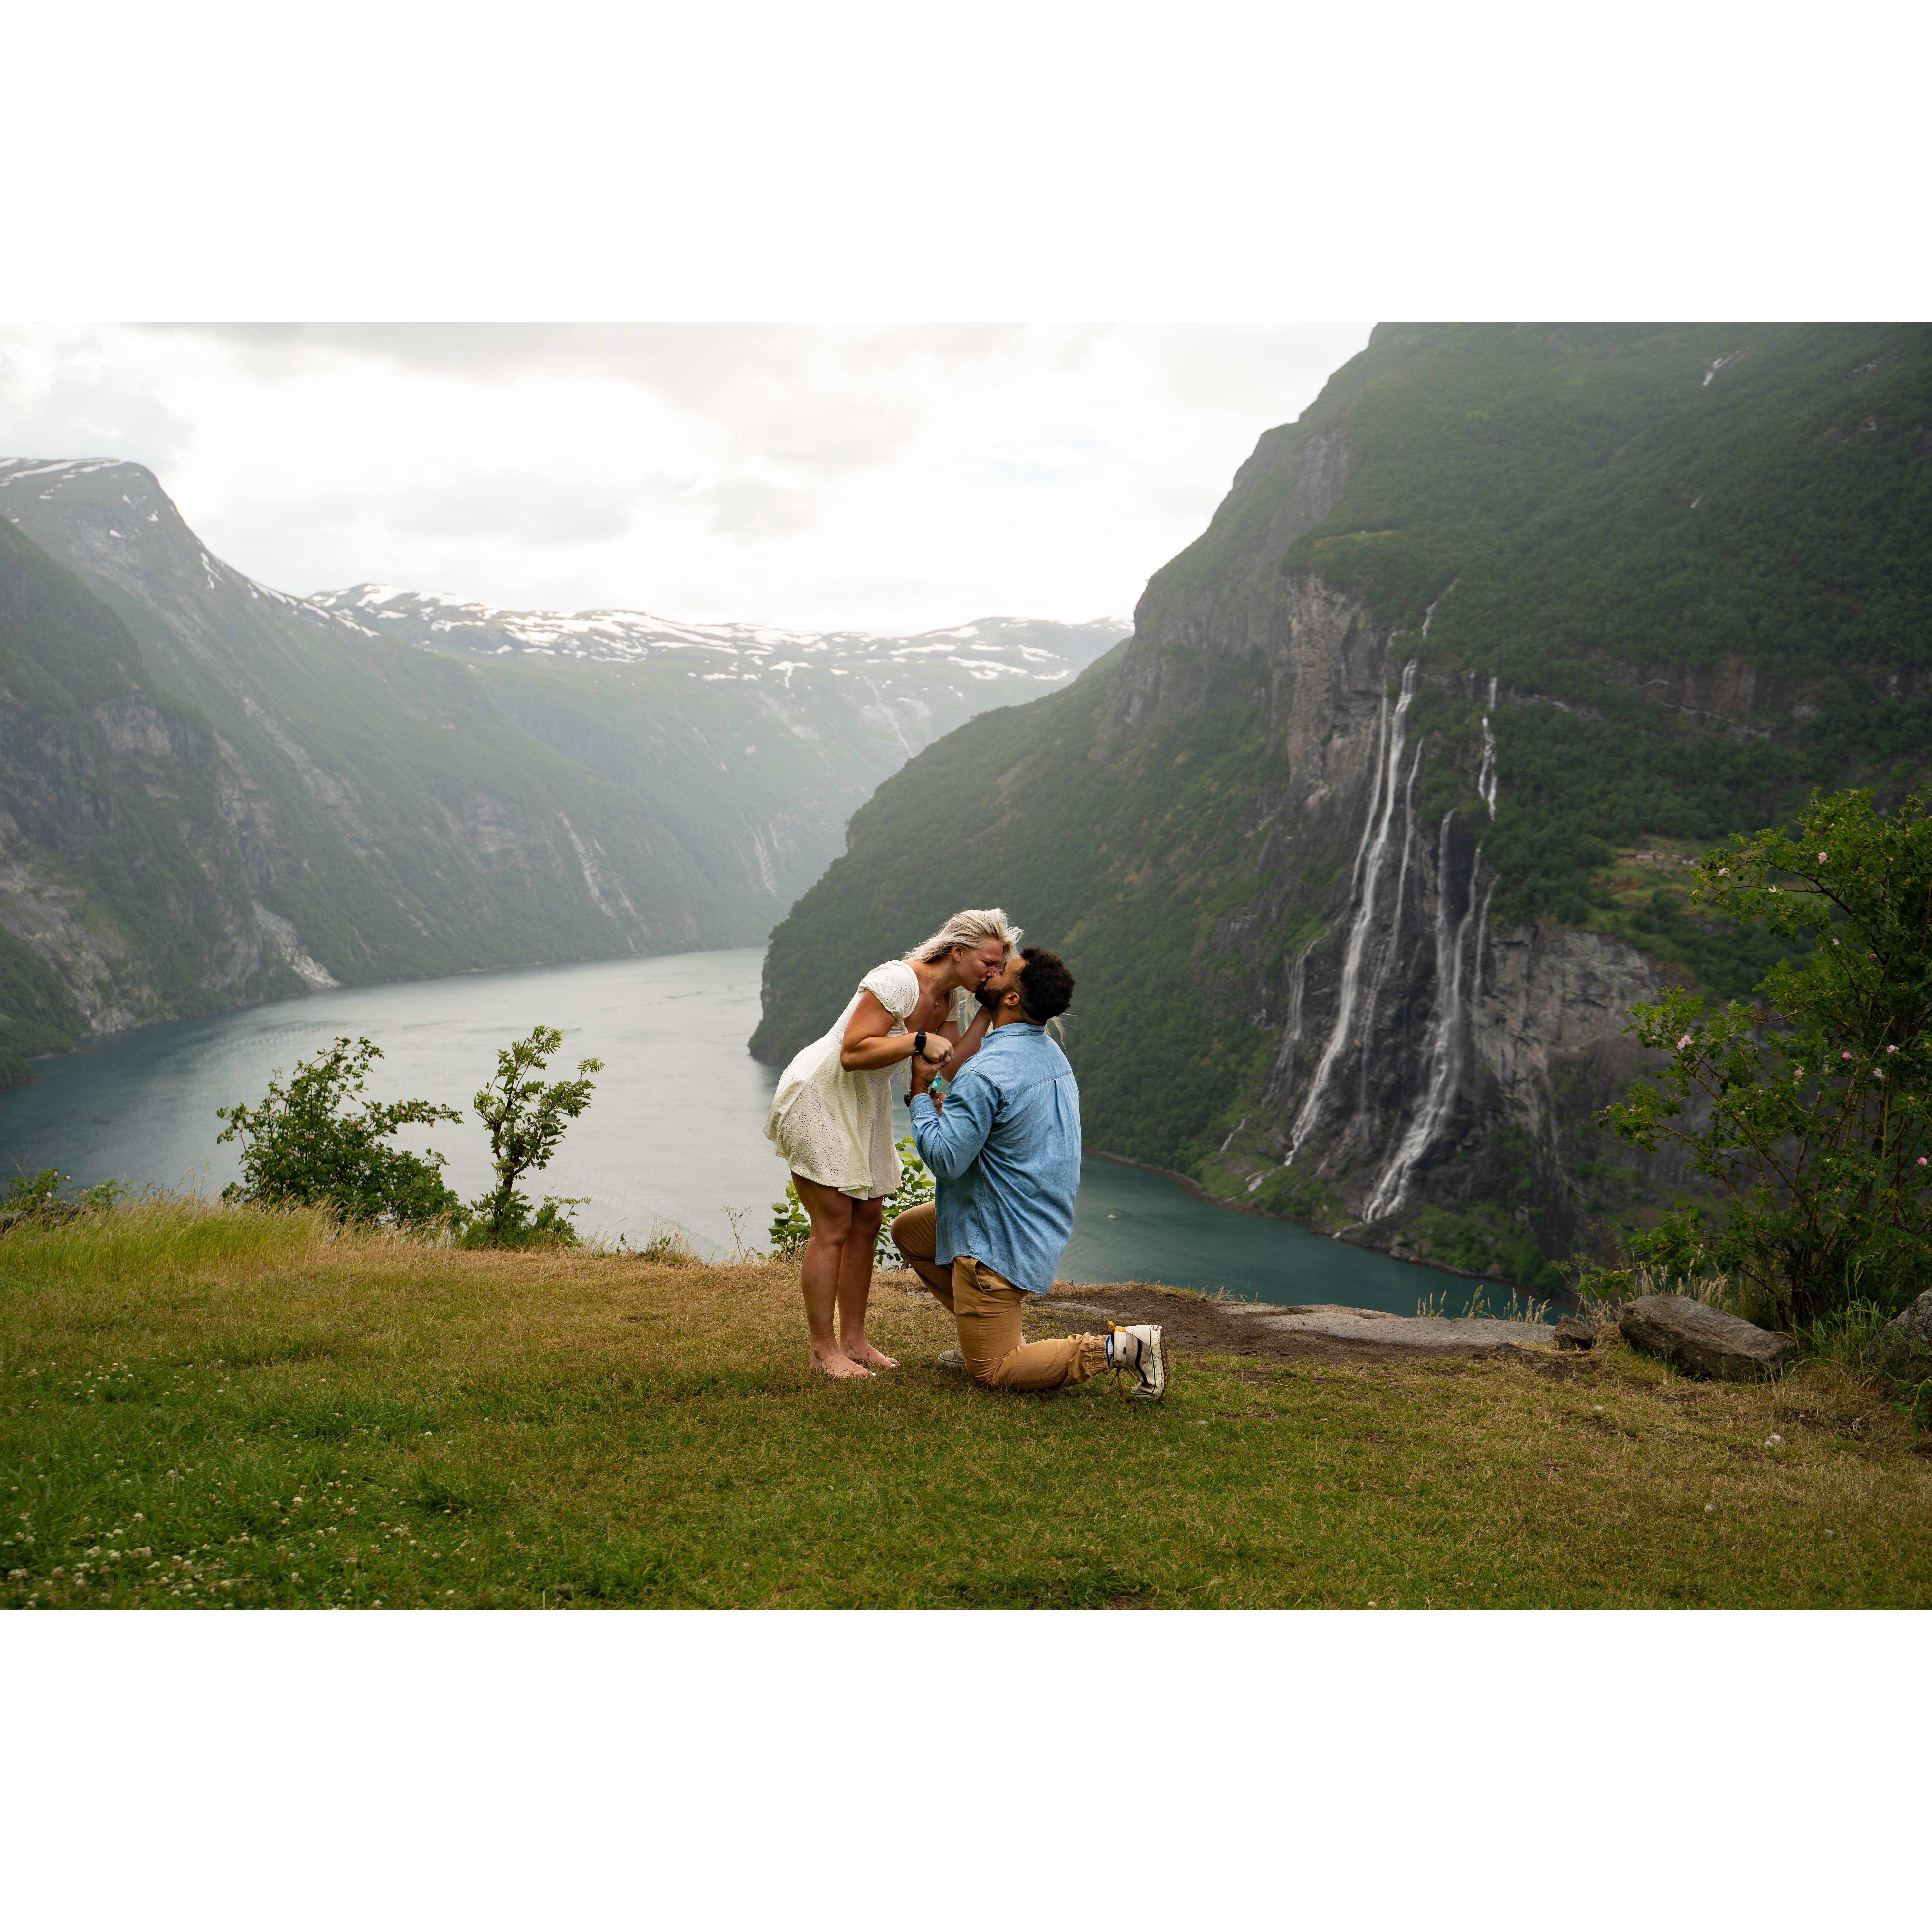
<point>973,927</point>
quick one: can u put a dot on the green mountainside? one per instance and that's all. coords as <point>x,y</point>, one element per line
<point>1361,957</point>
<point>218,793</point>
<point>112,788</point>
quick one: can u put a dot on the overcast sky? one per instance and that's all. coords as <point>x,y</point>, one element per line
<point>893,478</point>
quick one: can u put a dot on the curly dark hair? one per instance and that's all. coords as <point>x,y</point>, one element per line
<point>1046,987</point>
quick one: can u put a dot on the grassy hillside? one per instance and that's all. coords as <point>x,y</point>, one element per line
<point>233,1409</point>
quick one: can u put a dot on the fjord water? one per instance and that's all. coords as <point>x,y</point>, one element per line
<point>672,1136</point>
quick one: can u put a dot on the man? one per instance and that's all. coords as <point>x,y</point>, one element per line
<point>1004,1146</point>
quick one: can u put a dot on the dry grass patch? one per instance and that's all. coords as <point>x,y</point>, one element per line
<point>213,1406</point>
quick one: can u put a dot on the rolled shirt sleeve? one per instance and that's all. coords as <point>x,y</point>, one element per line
<point>949,1143</point>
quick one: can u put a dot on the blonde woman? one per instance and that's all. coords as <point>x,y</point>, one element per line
<point>831,1118</point>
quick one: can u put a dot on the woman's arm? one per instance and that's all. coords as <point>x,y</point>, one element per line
<point>869,1043</point>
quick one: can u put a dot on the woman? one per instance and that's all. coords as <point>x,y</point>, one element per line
<point>831,1118</point>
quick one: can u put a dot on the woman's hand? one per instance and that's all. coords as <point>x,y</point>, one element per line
<point>939,1051</point>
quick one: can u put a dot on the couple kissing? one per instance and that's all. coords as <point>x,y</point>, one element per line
<point>1003,1144</point>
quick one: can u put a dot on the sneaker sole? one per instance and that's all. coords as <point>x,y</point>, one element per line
<point>1141,1393</point>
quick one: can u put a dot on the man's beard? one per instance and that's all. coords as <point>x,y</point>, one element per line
<point>989,996</point>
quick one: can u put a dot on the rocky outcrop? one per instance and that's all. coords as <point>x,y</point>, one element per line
<point>1571,1332</point>
<point>1702,1339</point>
<point>1423,1058</point>
<point>1904,1346</point>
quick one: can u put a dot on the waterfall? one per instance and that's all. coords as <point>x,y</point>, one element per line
<point>1486,778</point>
<point>1371,863</point>
<point>1429,615</point>
<point>1445,1035</point>
<point>1374,799</point>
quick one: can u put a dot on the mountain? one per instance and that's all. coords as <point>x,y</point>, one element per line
<point>123,894</point>
<point>1018,652</point>
<point>1364,844</point>
<point>800,726</point>
<point>325,799</point>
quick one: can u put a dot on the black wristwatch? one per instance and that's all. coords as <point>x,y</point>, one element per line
<point>919,1045</point>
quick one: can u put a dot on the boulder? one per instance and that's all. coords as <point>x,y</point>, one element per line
<point>1705,1340</point>
<point>1573,1333</point>
<point>1904,1345</point>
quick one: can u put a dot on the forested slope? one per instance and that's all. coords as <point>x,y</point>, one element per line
<point>1363,845</point>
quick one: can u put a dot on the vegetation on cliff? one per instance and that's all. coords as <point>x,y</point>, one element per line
<point>1816,1118</point>
<point>317,1143</point>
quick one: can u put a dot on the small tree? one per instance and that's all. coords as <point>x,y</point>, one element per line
<point>303,1146</point>
<point>1820,1093</point>
<point>527,1118</point>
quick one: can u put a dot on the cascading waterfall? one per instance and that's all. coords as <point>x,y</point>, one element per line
<point>1429,615</point>
<point>1371,864</point>
<point>1486,778</point>
<point>1297,985</point>
<point>1446,1031</point>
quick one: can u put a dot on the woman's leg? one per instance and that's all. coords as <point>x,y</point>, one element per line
<point>855,1284</point>
<point>831,1214</point>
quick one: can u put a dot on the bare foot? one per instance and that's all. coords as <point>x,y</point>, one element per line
<point>863,1350</point>
<point>839,1367</point>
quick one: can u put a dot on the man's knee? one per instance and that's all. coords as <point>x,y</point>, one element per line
<point>916,1232</point>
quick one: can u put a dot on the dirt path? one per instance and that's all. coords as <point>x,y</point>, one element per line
<point>1193,1325</point>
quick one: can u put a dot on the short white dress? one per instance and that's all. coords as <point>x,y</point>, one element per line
<point>835,1127</point>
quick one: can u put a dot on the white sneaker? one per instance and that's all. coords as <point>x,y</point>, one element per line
<point>953,1358</point>
<point>1137,1349</point>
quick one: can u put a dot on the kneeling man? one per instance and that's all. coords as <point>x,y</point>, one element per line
<point>1004,1147</point>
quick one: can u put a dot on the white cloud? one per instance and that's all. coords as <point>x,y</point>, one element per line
<point>885,478</point>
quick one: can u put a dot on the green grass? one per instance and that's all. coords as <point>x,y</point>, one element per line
<point>248,1409</point>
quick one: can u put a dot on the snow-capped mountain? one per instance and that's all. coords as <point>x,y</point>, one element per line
<point>1026,654</point>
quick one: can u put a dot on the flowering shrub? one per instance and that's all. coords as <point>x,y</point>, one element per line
<point>1820,1090</point>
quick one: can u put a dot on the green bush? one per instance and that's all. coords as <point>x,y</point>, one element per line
<point>307,1145</point>
<point>1819,1092</point>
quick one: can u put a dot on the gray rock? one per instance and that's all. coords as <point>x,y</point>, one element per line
<point>1703,1339</point>
<point>1904,1344</point>
<point>1572,1333</point>
<point>1406,1331</point>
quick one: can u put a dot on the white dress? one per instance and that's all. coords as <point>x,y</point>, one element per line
<point>835,1127</point>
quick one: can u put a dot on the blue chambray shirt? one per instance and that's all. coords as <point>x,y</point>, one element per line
<point>1006,1153</point>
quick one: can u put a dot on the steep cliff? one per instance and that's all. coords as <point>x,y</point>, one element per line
<point>123,896</point>
<point>1364,845</point>
<point>377,785</point>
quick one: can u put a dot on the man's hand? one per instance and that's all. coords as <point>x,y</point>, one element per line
<point>923,1072</point>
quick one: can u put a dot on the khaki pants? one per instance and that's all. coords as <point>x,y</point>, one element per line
<point>985,1309</point>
